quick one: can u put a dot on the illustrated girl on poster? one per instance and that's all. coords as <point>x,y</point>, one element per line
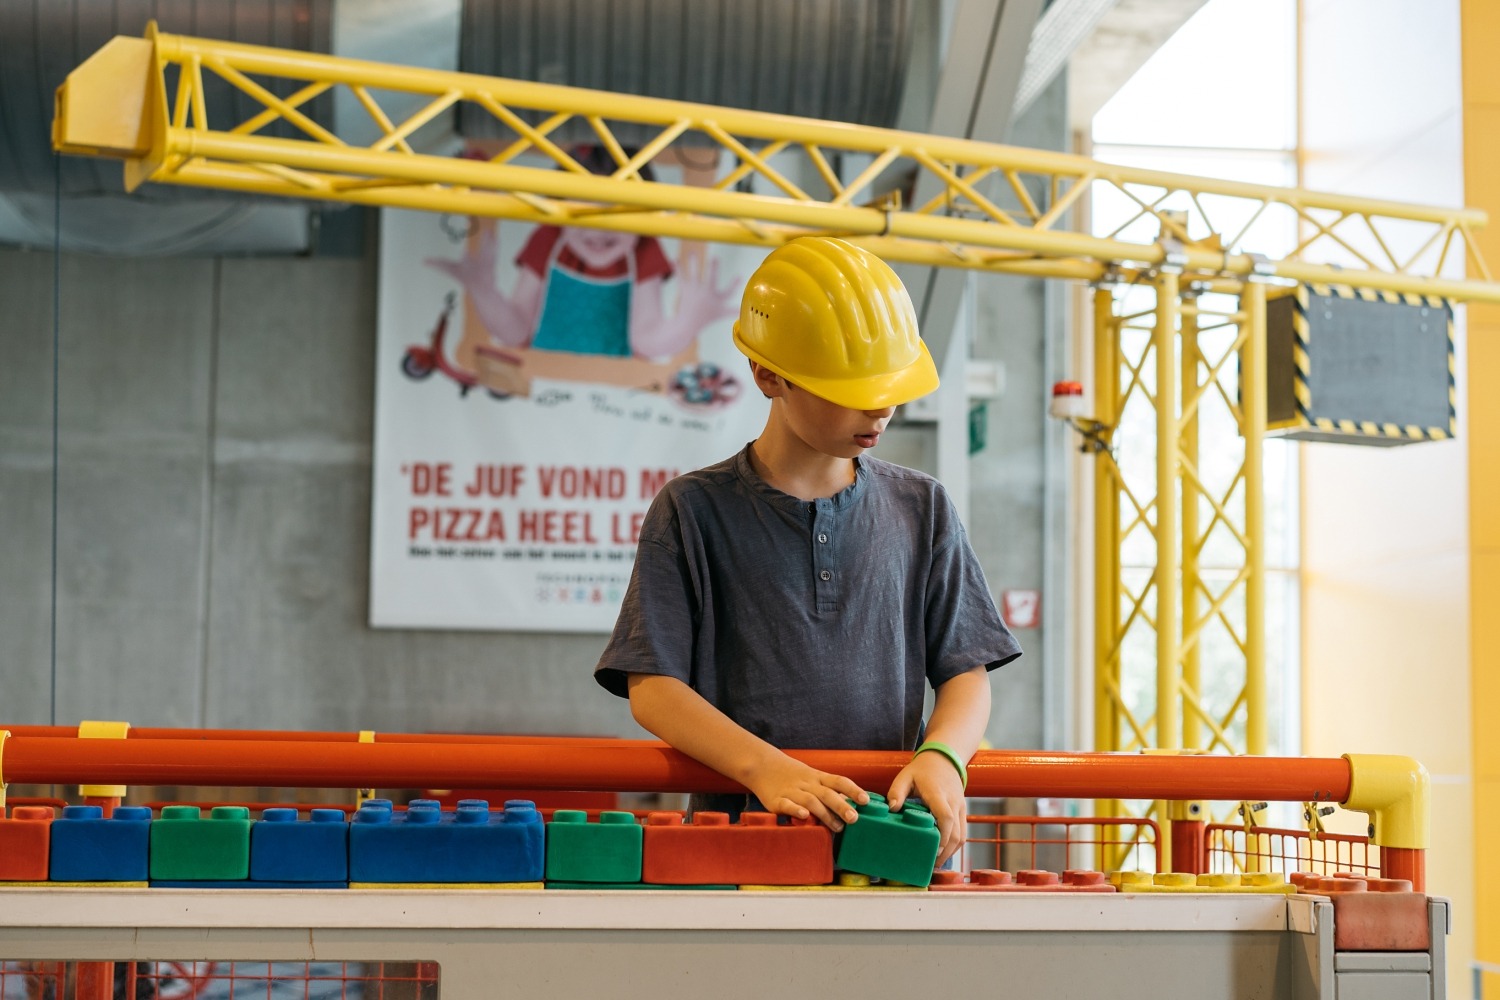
<point>588,305</point>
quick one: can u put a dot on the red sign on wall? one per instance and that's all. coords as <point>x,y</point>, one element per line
<point>1021,608</point>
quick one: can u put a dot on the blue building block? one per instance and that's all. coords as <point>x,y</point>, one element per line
<point>425,844</point>
<point>86,847</point>
<point>282,849</point>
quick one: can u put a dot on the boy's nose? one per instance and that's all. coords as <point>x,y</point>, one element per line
<point>884,413</point>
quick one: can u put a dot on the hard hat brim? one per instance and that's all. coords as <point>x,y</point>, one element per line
<point>875,392</point>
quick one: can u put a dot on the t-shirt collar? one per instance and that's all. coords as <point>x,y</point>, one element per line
<point>844,498</point>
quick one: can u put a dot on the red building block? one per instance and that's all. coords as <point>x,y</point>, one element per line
<point>1371,914</point>
<point>25,844</point>
<point>756,851</point>
<point>1038,880</point>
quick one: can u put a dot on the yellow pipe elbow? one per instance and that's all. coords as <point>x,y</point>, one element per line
<point>95,730</point>
<point>1396,793</point>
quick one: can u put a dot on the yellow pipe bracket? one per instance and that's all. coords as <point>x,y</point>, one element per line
<point>4,735</point>
<point>363,795</point>
<point>102,731</point>
<point>1186,809</point>
<point>1396,793</point>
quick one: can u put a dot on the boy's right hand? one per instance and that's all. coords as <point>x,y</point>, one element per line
<point>791,788</point>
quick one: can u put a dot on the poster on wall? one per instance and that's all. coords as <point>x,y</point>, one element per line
<point>535,386</point>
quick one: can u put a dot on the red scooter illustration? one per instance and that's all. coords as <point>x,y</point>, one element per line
<point>421,360</point>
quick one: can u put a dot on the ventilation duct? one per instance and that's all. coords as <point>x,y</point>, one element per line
<point>842,60</point>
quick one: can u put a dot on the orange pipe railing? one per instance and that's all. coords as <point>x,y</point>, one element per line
<point>397,761</point>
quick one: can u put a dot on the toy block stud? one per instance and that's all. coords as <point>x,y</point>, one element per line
<point>25,844</point>
<point>187,847</point>
<point>1131,881</point>
<point>897,846</point>
<point>285,849</point>
<point>1219,880</point>
<point>990,876</point>
<point>87,847</point>
<point>1037,878</point>
<point>608,851</point>
<point>1076,876</point>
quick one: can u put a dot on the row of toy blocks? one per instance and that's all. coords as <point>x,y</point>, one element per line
<point>1257,883</point>
<point>128,846</point>
<point>468,845</point>
<point>1371,914</point>
<point>1030,880</point>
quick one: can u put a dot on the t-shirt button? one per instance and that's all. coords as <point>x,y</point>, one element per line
<point>823,537</point>
<point>825,576</point>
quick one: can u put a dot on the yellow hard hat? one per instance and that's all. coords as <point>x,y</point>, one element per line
<point>835,320</point>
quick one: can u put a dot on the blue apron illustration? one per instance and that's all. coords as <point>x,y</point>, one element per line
<point>585,315</point>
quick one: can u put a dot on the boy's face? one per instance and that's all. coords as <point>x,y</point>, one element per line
<point>824,427</point>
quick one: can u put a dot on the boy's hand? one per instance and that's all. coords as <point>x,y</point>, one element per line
<point>792,788</point>
<point>935,780</point>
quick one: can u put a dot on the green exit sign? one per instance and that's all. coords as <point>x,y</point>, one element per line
<point>979,424</point>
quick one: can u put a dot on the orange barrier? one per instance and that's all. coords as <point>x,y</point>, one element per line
<point>633,765</point>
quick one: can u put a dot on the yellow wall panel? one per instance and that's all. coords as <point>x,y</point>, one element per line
<point>1480,39</point>
<point>1480,19</point>
<point>1483,429</point>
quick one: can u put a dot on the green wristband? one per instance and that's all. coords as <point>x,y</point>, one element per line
<point>947,751</point>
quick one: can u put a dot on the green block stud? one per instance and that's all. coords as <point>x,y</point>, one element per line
<point>185,846</point>
<point>895,846</point>
<point>602,852</point>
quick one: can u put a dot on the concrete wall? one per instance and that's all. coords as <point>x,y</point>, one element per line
<point>213,514</point>
<point>213,507</point>
<point>1385,548</point>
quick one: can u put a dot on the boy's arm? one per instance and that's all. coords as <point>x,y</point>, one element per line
<point>959,715</point>
<point>682,717</point>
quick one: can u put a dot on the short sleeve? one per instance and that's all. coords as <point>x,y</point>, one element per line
<point>537,250</point>
<point>651,260</point>
<point>963,627</point>
<point>654,633</point>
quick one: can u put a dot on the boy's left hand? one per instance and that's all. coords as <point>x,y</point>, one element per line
<point>934,779</point>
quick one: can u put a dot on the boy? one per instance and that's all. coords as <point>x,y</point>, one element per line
<point>800,594</point>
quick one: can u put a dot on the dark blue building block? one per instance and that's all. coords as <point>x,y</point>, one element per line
<point>282,849</point>
<point>425,844</point>
<point>86,847</point>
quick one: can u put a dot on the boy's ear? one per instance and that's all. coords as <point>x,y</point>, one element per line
<point>768,382</point>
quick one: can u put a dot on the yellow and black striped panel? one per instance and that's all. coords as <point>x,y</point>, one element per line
<point>1307,423</point>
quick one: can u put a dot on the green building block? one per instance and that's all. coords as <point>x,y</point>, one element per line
<point>184,845</point>
<point>606,851</point>
<point>896,846</point>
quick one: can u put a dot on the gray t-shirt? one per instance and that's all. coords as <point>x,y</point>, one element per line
<point>815,624</point>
